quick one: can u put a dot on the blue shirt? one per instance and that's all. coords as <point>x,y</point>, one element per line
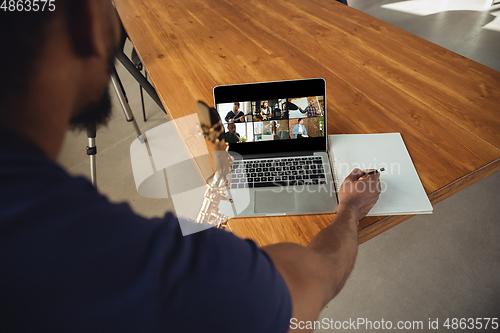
<point>296,129</point>
<point>70,261</point>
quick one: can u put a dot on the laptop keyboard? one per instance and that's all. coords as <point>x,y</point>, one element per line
<point>277,172</point>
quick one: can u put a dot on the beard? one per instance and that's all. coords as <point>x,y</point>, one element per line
<point>97,112</point>
<point>93,114</point>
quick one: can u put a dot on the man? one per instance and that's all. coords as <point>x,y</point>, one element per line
<point>310,109</point>
<point>231,136</point>
<point>235,116</point>
<point>73,262</point>
<point>265,111</point>
<point>299,130</point>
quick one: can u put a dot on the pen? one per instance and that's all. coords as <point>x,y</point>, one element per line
<point>373,172</point>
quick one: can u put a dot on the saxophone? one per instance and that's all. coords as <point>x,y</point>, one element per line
<point>211,128</point>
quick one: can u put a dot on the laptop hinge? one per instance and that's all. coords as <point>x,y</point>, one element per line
<point>273,155</point>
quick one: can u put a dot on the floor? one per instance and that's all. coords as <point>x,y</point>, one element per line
<point>445,265</point>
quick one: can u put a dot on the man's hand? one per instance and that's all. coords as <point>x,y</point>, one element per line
<point>358,194</point>
<point>316,273</point>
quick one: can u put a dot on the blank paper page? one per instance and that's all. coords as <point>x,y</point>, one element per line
<point>402,191</point>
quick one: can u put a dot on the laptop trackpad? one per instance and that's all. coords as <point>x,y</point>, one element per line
<point>271,202</point>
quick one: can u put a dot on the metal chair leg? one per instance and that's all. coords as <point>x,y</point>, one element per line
<point>92,152</point>
<point>91,132</point>
<point>139,78</point>
<point>142,100</point>
<point>122,97</point>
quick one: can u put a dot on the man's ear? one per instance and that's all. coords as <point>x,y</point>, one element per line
<point>86,27</point>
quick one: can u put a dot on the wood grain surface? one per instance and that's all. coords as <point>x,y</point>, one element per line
<point>379,79</point>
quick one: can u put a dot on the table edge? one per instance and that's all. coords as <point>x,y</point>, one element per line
<point>441,194</point>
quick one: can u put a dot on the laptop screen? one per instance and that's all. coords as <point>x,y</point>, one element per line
<point>273,117</point>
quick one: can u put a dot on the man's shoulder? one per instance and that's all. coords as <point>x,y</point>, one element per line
<point>29,170</point>
<point>57,224</point>
<point>36,188</point>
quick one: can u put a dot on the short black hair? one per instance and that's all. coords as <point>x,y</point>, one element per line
<point>23,35</point>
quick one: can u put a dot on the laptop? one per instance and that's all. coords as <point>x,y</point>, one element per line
<point>277,135</point>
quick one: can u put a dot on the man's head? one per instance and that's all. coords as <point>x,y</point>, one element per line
<point>311,102</point>
<point>57,68</point>
<point>236,106</point>
<point>301,121</point>
<point>231,128</point>
<point>265,104</point>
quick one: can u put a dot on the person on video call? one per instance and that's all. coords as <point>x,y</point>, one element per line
<point>236,115</point>
<point>299,130</point>
<point>72,261</point>
<point>273,126</point>
<point>231,136</point>
<point>310,110</point>
<point>265,111</point>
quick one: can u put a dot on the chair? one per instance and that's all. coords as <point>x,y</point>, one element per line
<point>134,67</point>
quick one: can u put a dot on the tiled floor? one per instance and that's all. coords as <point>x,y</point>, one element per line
<point>446,265</point>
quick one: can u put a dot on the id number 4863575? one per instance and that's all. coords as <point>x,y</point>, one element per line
<point>470,323</point>
<point>28,5</point>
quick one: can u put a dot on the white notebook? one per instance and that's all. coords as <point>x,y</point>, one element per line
<point>402,191</point>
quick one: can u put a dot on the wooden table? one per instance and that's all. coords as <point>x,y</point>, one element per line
<point>379,79</point>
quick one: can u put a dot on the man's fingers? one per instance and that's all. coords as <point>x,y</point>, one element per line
<point>370,176</point>
<point>373,179</point>
<point>355,174</point>
<point>359,175</point>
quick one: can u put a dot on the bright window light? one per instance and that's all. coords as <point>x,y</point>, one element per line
<point>429,7</point>
<point>495,24</point>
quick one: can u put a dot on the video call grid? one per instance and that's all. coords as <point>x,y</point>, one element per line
<point>273,119</point>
